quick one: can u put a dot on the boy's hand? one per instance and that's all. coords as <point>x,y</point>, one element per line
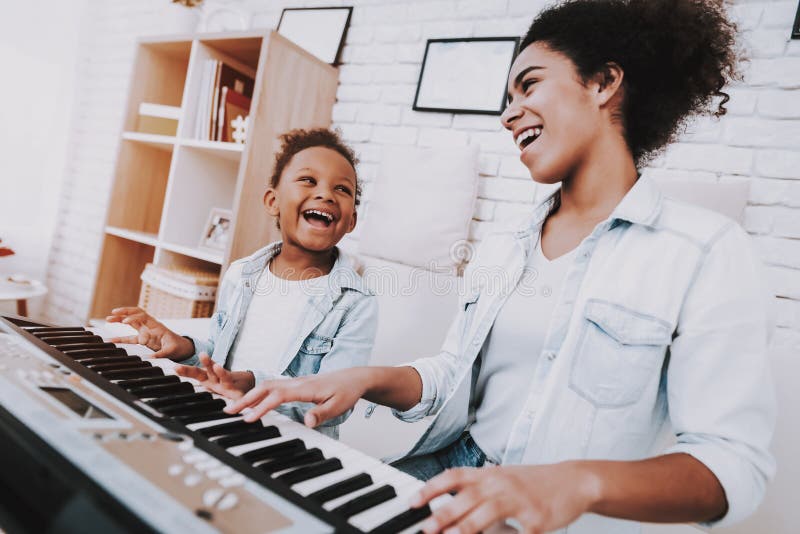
<point>333,393</point>
<point>214,377</point>
<point>151,333</point>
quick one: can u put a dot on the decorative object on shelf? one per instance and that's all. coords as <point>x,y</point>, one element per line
<point>239,129</point>
<point>320,30</point>
<point>217,229</point>
<point>465,75</point>
<point>158,119</point>
<point>178,292</point>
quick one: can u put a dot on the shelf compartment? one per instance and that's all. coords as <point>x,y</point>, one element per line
<point>161,142</point>
<point>210,182</point>
<point>159,76</point>
<point>230,151</point>
<point>140,187</point>
<point>118,283</point>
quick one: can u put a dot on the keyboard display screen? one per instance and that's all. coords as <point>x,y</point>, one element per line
<point>76,403</point>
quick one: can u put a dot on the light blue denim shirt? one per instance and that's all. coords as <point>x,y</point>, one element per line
<point>336,329</point>
<point>659,334</point>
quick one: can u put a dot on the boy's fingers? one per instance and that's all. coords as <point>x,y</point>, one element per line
<point>160,354</point>
<point>190,371</point>
<point>131,340</point>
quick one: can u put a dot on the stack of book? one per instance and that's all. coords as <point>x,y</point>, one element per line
<point>225,94</point>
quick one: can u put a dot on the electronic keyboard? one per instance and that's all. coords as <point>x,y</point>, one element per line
<point>99,435</point>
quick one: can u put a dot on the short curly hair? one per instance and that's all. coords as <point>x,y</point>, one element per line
<point>676,55</point>
<point>297,140</point>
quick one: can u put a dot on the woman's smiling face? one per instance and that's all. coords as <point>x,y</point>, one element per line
<point>551,113</point>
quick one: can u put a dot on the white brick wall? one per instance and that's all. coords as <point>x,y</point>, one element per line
<point>758,140</point>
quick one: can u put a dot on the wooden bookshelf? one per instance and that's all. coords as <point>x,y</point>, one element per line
<point>164,187</point>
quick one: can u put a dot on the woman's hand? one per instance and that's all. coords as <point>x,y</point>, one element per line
<point>151,333</point>
<point>541,498</point>
<point>333,393</point>
<point>216,378</point>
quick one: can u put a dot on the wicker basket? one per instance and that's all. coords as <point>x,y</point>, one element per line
<point>178,293</point>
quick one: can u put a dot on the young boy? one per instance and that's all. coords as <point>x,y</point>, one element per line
<point>296,307</point>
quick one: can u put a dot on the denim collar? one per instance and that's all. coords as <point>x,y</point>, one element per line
<point>641,205</point>
<point>342,276</point>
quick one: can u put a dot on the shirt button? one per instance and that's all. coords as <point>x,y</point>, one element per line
<point>550,355</point>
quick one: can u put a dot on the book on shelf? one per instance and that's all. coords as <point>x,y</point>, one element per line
<point>232,105</point>
<point>220,81</point>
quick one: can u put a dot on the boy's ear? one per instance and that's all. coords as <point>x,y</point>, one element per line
<point>353,222</point>
<point>271,202</point>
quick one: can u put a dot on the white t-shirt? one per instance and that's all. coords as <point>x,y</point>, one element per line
<point>512,349</point>
<point>271,321</point>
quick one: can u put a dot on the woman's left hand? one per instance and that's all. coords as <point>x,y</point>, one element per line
<point>214,377</point>
<point>541,498</point>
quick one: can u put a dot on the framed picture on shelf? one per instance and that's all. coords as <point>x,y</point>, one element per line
<point>796,25</point>
<point>217,230</point>
<point>465,75</point>
<point>320,30</point>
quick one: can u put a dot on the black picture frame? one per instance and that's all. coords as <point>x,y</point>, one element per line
<point>334,59</point>
<point>796,25</point>
<point>427,80</point>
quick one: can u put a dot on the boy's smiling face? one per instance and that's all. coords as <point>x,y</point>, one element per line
<point>315,199</point>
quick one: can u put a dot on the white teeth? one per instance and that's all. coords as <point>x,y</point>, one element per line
<point>530,132</point>
<point>320,213</point>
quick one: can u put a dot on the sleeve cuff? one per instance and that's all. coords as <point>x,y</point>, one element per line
<point>744,489</point>
<point>420,410</point>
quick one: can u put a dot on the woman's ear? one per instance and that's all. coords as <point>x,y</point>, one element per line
<point>271,202</point>
<point>609,83</point>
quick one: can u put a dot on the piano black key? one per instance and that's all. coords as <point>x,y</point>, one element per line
<point>90,353</point>
<point>277,450</point>
<point>402,521</point>
<point>248,436</point>
<point>191,408</point>
<point>107,360</point>
<point>311,471</point>
<point>149,381</point>
<point>41,329</point>
<point>161,390</point>
<point>58,341</point>
<point>228,428</point>
<point>341,488</point>
<point>172,400</point>
<point>98,366</point>
<point>62,333</point>
<point>365,501</point>
<point>300,459</point>
<point>77,346</point>
<point>202,417</point>
<point>127,374</point>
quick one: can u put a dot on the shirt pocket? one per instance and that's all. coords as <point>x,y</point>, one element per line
<point>308,359</point>
<point>619,352</point>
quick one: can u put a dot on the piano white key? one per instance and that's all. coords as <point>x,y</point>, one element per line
<point>377,515</point>
<point>215,422</point>
<point>353,463</point>
<point>380,476</point>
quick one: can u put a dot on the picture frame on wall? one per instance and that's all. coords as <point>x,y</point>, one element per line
<point>320,30</point>
<point>217,230</point>
<point>465,75</point>
<point>796,25</point>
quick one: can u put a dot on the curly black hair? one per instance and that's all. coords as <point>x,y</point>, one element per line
<point>676,55</point>
<point>294,141</point>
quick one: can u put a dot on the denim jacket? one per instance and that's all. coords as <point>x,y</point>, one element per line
<point>336,330</point>
<point>659,335</point>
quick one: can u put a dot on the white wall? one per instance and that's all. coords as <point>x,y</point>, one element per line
<point>38,54</point>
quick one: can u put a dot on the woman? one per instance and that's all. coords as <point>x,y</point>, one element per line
<point>656,324</point>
